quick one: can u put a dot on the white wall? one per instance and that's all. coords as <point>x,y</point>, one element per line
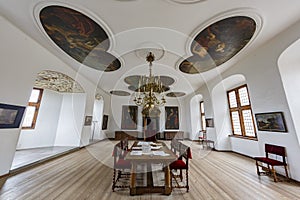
<point>44,133</point>
<point>289,62</point>
<point>21,59</point>
<point>221,116</point>
<point>70,120</point>
<point>266,91</point>
<point>96,132</point>
<point>195,114</point>
<point>8,142</point>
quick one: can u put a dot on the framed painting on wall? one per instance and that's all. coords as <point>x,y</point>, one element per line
<point>172,117</point>
<point>88,120</point>
<point>273,121</point>
<point>209,122</point>
<point>11,115</point>
<point>105,121</point>
<point>129,117</point>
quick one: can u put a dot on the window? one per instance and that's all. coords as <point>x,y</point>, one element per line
<point>202,116</point>
<point>240,112</point>
<point>32,109</point>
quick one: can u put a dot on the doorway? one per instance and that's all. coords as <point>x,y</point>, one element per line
<point>96,129</point>
<point>151,128</point>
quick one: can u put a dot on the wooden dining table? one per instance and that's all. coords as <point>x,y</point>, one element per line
<point>160,154</point>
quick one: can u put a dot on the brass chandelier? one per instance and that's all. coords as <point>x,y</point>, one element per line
<point>150,89</point>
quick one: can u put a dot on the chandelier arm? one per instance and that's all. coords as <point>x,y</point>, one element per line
<point>149,86</point>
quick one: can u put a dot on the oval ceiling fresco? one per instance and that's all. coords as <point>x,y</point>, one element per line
<point>79,36</point>
<point>217,43</point>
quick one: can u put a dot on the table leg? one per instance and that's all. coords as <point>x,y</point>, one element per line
<point>133,179</point>
<point>168,188</point>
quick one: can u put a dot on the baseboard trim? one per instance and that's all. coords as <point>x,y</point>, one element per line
<point>4,175</point>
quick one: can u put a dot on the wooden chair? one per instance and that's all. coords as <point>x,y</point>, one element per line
<point>175,145</point>
<point>121,167</point>
<point>267,161</point>
<point>182,163</point>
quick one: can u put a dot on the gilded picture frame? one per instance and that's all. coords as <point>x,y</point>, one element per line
<point>172,118</point>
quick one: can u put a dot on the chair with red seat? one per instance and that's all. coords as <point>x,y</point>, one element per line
<point>267,161</point>
<point>121,167</point>
<point>182,163</point>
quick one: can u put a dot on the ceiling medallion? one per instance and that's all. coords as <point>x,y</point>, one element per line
<point>218,43</point>
<point>79,36</point>
<point>143,49</point>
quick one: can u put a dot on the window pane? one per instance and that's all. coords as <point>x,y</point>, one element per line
<point>232,99</point>
<point>34,97</point>
<point>244,98</point>
<point>29,115</point>
<point>202,107</point>
<point>236,123</point>
<point>248,123</point>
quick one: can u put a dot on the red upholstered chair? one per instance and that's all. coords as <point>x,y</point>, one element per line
<point>121,167</point>
<point>182,163</point>
<point>267,161</point>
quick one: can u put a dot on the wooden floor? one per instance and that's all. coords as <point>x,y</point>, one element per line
<point>87,174</point>
<point>30,156</point>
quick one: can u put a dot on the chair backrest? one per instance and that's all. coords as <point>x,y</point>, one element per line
<point>202,134</point>
<point>185,153</point>
<point>119,151</point>
<point>175,145</point>
<point>274,149</point>
<point>124,144</point>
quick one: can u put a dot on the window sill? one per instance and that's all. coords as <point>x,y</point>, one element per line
<point>244,137</point>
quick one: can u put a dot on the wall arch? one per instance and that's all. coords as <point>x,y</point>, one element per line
<point>195,114</point>
<point>288,64</point>
<point>220,105</point>
<point>96,131</point>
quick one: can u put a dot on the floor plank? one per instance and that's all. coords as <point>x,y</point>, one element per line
<point>87,174</point>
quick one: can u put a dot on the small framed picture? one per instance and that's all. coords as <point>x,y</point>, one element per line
<point>172,117</point>
<point>11,115</point>
<point>272,121</point>
<point>88,120</point>
<point>105,121</point>
<point>209,122</point>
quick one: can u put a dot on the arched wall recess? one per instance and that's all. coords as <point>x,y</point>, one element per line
<point>221,114</point>
<point>288,64</point>
<point>195,115</point>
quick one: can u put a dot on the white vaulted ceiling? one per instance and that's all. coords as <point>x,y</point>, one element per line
<point>170,25</point>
